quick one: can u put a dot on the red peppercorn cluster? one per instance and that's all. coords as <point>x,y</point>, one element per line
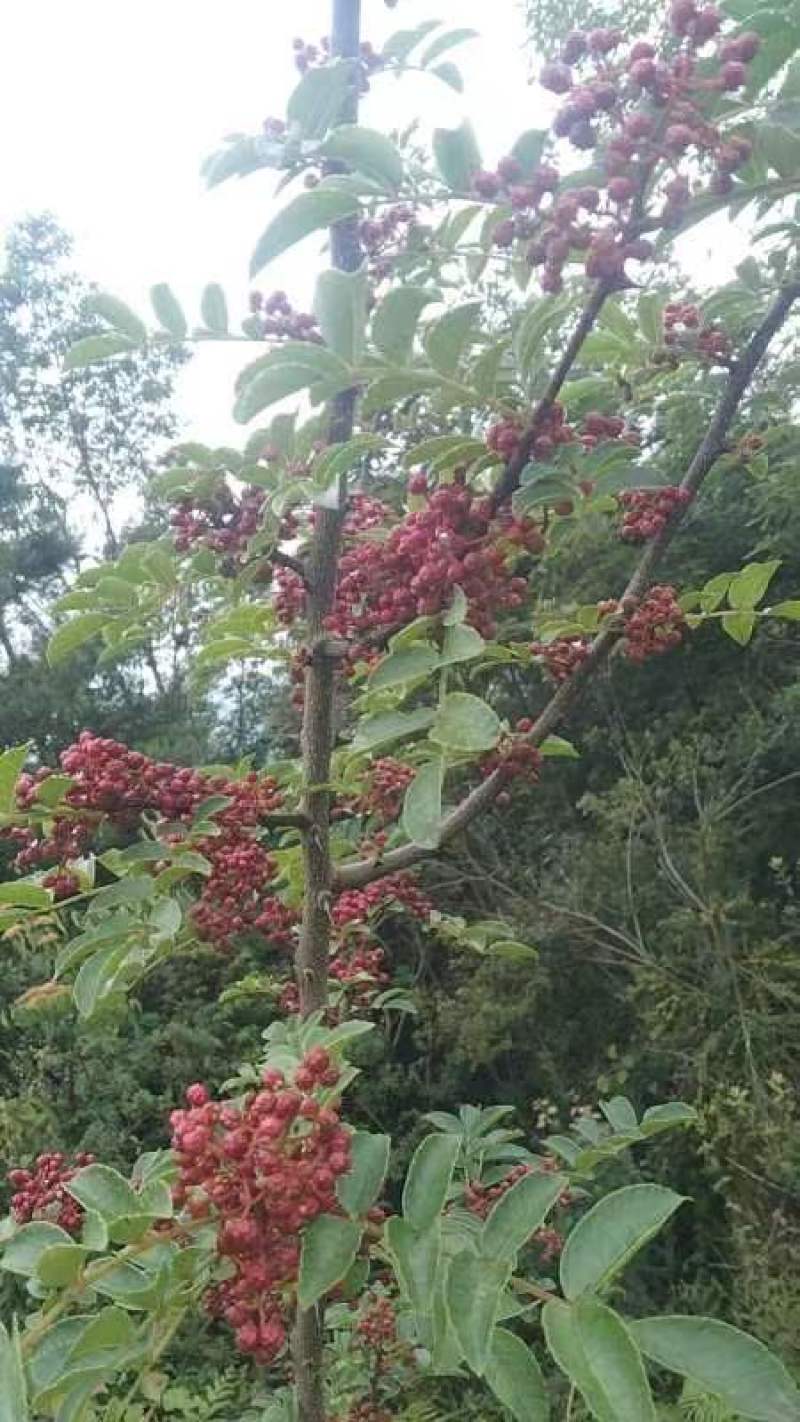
<point>312,56</point>
<point>224,522</point>
<point>356,905</point>
<point>562,656</point>
<point>412,572</point>
<point>112,781</point>
<point>553,429</point>
<point>385,237</point>
<point>264,1169</point>
<point>120,782</point>
<point>657,625</point>
<point>549,1242</point>
<point>385,787</point>
<point>642,110</point>
<point>480,1198</point>
<point>526,195</point>
<point>647,511</point>
<point>359,967</point>
<point>68,839</point>
<point>41,1192</point>
<point>358,961</point>
<point>277,317</point>
<point>596,427</point>
<point>234,895</point>
<point>63,883</point>
<point>505,437</point>
<point>377,1326</point>
<point>515,758</point>
<point>361,970</point>
<point>685,332</point>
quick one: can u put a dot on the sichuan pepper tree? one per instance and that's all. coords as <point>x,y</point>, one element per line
<point>395,599</point>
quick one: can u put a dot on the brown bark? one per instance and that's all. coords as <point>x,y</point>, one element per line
<point>317,732</point>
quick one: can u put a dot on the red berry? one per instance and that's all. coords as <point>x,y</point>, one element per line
<point>556,77</point>
<point>733,75</point>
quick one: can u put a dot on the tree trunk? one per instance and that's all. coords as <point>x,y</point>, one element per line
<point>317,732</point>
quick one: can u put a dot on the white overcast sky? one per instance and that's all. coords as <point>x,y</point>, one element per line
<point>107,111</point>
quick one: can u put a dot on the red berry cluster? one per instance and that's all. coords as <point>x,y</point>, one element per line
<point>68,838</point>
<point>412,572</point>
<point>41,1192</point>
<point>224,522</point>
<point>358,967</point>
<point>504,438</point>
<point>264,1168</point>
<point>596,427</point>
<point>112,781</point>
<point>385,787</point>
<point>356,905</point>
<point>552,430</point>
<point>385,238</point>
<point>377,1326</point>
<point>657,625</point>
<point>361,970</point>
<point>277,317</point>
<point>684,331</point>
<point>643,111</point>
<point>480,1198</point>
<point>234,898</point>
<point>647,511</point>
<point>562,656</point>
<point>515,758</point>
<point>358,962</point>
<point>63,883</point>
<point>312,56</point>
<point>549,1242</point>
